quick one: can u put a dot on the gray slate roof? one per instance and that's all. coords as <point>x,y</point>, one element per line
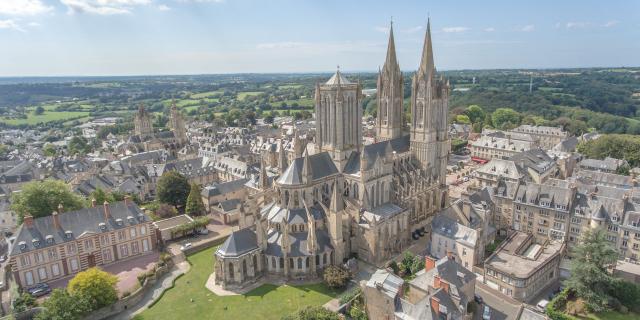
<point>238,243</point>
<point>321,166</point>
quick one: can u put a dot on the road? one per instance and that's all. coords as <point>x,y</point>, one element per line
<point>502,307</point>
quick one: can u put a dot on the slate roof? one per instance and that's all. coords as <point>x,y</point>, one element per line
<point>321,166</point>
<point>536,159</point>
<point>229,205</point>
<point>375,150</point>
<point>238,243</point>
<point>277,214</point>
<point>390,284</point>
<point>298,243</point>
<point>79,222</point>
<point>224,188</point>
<point>337,78</point>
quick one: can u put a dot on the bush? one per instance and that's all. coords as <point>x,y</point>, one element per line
<point>349,295</point>
<point>313,313</point>
<point>628,294</point>
<point>556,306</point>
<point>336,277</point>
<point>24,302</point>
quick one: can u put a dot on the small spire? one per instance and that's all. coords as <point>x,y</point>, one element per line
<point>391,61</point>
<point>427,65</point>
<point>337,203</point>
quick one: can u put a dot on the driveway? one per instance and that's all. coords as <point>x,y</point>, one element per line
<point>502,307</point>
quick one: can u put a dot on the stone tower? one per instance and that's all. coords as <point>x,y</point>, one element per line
<point>339,118</point>
<point>177,124</point>
<point>142,122</point>
<point>390,95</point>
<point>336,210</point>
<point>429,105</point>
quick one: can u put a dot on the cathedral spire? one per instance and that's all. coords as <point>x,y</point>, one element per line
<point>282,158</point>
<point>306,168</point>
<point>391,62</point>
<point>427,65</point>
<point>337,203</point>
<point>264,180</point>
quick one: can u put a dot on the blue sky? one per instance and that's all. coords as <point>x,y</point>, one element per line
<point>132,37</point>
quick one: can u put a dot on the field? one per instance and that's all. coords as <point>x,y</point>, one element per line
<point>206,94</point>
<point>265,302</point>
<point>304,102</point>
<point>243,95</point>
<point>45,117</point>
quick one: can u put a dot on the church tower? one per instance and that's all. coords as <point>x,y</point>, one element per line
<point>338,118</point>
<point>429,106</point>
<point>177,124</point>
<point>336,209</point>
<point>142,123</point>
<point>390,95</point>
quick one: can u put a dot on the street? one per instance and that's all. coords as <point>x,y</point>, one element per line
<point>502,307</point>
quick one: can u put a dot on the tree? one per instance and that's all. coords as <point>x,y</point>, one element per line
<point>504,118</point>
<point>61,305</point>
<point>79,145</point>
<point>24,302</point>
<point>590,279</point>
<point>49,150</point>
<point>97,286</point>
<point>173,188</point>
<point>418,264</point>
<point>475,113</point>
<point>194,206</point>
<point>462,119</point>
<point>166,211</point>
<point>269,119</point>
<point>41,198</point>
<point>313,313</point>
<point>101,196</point>
<point>619,146</point>
<point>39,110</point>
<point>336,277</point>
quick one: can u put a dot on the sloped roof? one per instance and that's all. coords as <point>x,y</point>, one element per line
<point>321,166</point>
<point>337,79</point>
<point>238,243</point>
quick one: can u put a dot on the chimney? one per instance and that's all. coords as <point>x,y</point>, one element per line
<point>60,208</point>
<point>429,263</point>
<point>450,255</point>
<point>445,286</point>
<point>28,220</point>
<point>107,211</point>
<point>435,304</point>
<point>437,282</point>
<point>56,219</point>
<point>93,202</point>
<point>127,200</point>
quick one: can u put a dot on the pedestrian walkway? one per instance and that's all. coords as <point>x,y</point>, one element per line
<point>155,292</point>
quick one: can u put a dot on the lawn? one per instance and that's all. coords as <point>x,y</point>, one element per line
<point>290,86</point>
<point>206,94</point>
<point>305,102</point>
<point>265,302</point>
<point>243,95</point>
<point>45,117</point>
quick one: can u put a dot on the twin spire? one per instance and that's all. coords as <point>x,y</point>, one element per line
<point>427,65</point>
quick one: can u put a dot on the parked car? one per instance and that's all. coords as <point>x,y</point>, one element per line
<point>486,313</point>
<point>39,290</point>
<point>3,258</point>
<point>478,299</point>
<point>542,305</point>
<point>465,179</point>
<point>186,246</point>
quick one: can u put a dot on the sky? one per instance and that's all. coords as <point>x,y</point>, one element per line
<point>154,37</point>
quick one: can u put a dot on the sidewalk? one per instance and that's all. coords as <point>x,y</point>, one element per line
<point>155,293</point>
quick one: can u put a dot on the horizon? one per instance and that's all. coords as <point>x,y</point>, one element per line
<point>102,38</point>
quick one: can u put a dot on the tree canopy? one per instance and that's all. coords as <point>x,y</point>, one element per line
<point>97,286</point>
<point>505,118</point>
<point>194,206</point>
<point>41,198</point>
<point>620,146</point>
<point>173,188</point>
<point>61,305</point>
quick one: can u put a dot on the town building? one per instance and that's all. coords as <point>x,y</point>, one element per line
<point>546,137</point>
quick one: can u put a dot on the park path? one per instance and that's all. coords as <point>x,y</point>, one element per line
<point>153,294</point>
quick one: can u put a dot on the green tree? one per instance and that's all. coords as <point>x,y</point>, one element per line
<point>173,188</point>
<point>619,146</point>
<point>475,113</point>
<point>313,313</point>
<point>462,119</point>
<point>101,196</point>
<point>504,118</point>
<point>95,285</point>
<point>590,278</point>
<point>336,277</point>
<point>24,302</point>
<point>39,110</point>
<point>194,206</point>
<point>61,305</point>
<point>41,198</point>
<point>49,150</point>
<point>418,264</point>
<point>269,119</point>
<point>79,145</point>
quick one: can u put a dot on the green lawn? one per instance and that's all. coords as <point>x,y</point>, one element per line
<point>290,86</point>
<point>265,302</point>
<point>243,95</point>
<point>47,116</point>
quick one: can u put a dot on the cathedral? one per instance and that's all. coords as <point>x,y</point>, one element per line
<point>349,199</point>
<point>145,139</point>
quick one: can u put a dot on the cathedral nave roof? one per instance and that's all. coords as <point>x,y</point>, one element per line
<point>298,241</point>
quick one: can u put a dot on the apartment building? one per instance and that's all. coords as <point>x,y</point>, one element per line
<point>60,245</point>
<point>492,147</point>
<point>522,266</point>
<point>546,137</point>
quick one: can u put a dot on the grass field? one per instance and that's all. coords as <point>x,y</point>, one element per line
<point>243,95</point>
<point>265,302</point>
<point>290,86</point>
<point>45,117</point>
<point>306,102</point>
<point>205,94</point>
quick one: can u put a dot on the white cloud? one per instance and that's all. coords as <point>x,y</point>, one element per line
<point>413,30</point>
<point>611,23</point>
<point>34,24</point>
<point>490,29</point>
<point>163,7</point>
<point>528,28</point>
<point>102,7</point>
<point>455,29</point>
<point>11,24</point>
<point>576,25</point>
<point>23,7</point>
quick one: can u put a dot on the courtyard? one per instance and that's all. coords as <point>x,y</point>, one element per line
<point>190,299</point>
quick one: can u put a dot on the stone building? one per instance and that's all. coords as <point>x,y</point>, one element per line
<point>348,199</point>
<point>145,139</point>
<point>65,243</point>
<point>546,137</point>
